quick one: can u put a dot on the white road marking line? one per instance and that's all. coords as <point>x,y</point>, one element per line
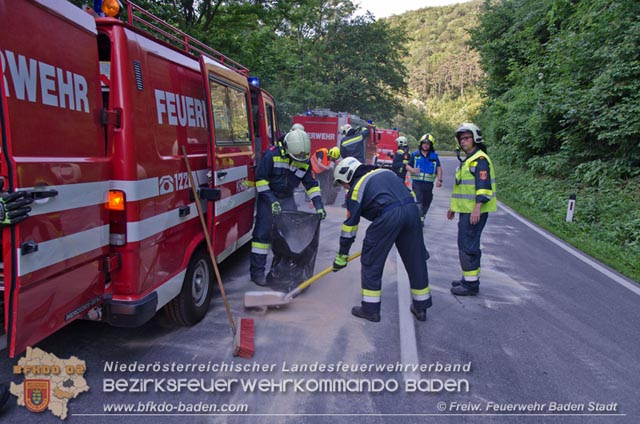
<point>408,343</point>
<point>629,284</point>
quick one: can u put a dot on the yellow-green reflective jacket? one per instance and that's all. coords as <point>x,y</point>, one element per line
<point>466,193</point>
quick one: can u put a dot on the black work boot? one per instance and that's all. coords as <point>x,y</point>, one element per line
<point>421,315</point>
<point>456,283</point>
<point>360,313</point>
<point>466,289</point>
<point>259,280</point>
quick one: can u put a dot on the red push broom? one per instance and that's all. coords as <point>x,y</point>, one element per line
<point>243,335</point>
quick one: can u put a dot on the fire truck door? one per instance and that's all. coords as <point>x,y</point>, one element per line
<point>231,156</point>
<point>7,233</point>
<point>53,147</point>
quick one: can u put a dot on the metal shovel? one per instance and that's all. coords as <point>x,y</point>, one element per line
<point>257,299</point>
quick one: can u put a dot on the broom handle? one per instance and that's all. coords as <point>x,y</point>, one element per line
<point>316,277</point>
<point>208,239</point>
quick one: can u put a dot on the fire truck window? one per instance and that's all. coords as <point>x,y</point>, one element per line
<point>230,114</point>
<point>270,123</point>
<point>255,111</point>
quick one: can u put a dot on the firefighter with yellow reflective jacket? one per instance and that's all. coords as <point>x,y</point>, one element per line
<point>281,170</point>
<point>473,197</point>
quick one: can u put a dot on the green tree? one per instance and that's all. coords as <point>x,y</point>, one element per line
<point>563,82</point>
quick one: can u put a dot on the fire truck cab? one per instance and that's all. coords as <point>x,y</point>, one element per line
<point>95,114</point>
<point>324,128</point>
<point>386,147</point>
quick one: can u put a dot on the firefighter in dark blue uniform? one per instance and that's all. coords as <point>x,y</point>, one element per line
<point>353,143</point>
<point>401,158</point>
<point>281,170</point>
<point>425,171</point>
<point>380,197</point>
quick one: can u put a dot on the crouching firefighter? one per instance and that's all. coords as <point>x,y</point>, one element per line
<point>281,170</point>
<point>382,198</point>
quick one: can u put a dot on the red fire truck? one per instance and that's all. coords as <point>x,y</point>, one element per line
<point>324,128</point>
<point>95,112</point>
<point>386,146</point>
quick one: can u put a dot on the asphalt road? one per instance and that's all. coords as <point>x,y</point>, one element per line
<point>552,337</point>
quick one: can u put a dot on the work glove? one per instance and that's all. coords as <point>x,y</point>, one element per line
<point>276,208</point>
<point>340,262</point>
<point>322,213</point>
<point>13,207</point>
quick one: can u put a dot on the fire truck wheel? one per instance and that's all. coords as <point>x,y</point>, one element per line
<point>192,304</point>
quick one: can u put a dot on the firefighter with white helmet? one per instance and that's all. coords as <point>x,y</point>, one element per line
<point>400,164</point>
<point>473,197</point>
<point>379,196</point>
<point>281,170</point>
<point>297,126</point>
<point>353,141</point>
<point>426,170</point>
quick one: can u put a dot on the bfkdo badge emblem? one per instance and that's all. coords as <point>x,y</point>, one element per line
<point>36,394</point>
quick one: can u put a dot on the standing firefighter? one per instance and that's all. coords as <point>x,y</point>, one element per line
<point>426,169</point>
<point>473,197</point>
<point>322,164</point>
<point>281,170</point>
<point>380,197</point>
<point>401,159</point>
<point>353,143</point>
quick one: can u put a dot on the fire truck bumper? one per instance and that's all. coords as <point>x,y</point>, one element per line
<point>130,313</point>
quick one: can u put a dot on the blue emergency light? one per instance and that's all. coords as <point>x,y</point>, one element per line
<point>255,81</point>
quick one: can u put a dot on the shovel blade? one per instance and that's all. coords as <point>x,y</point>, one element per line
<point>254,299</point>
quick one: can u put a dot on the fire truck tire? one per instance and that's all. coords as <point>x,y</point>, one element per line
<point>192,304</point>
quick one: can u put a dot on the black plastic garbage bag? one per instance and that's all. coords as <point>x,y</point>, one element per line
<point>294,241</point>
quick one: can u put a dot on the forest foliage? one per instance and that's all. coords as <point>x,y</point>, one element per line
<point>563,85</point>
<point>307,53</point>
